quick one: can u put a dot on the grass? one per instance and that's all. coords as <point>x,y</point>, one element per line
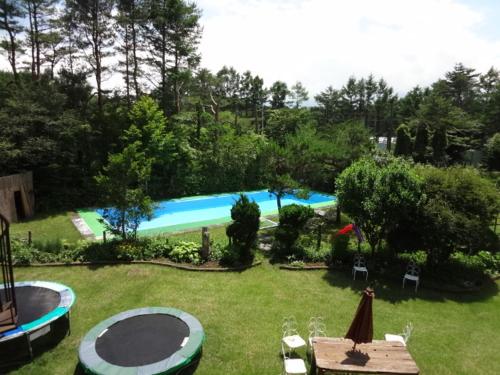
<point>47,228</point>
<point>242,312</point>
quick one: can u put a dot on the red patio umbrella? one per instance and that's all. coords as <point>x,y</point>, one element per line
<point>361,330</point>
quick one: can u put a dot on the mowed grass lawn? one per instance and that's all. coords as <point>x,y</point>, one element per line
<point>242,313</point>
<point>47,228</point>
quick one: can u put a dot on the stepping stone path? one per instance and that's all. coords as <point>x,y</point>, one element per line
<point>265,241</point>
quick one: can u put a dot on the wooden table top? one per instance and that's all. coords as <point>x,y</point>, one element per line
<point>377,357</point>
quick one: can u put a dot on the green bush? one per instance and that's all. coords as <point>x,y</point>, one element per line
<point>186,252</point>
<point>24,254</point>
<point>417,257</point>
<point>492,152</point>
<point>465,267</point>
<point>340,248</point>
<point>291,221</point>
<point>157,247</point>
<point>243,230</point>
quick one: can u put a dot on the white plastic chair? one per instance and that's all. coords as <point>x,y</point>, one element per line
<point>412,273</point>
<point>291,338</point>
<point>359,266</point>
<point>402,337</point>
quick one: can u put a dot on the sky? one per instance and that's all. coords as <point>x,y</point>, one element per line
<point>323,42</point>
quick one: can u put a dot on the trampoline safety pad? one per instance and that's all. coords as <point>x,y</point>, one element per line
<point>151,340</point>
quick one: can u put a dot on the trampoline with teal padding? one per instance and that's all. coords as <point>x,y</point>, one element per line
<point>150,340</point>
<point>41,306</point>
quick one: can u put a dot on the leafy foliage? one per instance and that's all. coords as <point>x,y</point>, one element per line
<point>378,195</point>
<point>188,252</point>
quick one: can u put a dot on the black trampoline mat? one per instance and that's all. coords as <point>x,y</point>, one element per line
<point>33,302</point>
<point>142,340</point>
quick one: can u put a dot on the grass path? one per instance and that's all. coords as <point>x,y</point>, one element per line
<point>242,312</point>
<point>47,228</point>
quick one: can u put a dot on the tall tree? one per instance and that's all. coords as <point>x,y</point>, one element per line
<point>11,14</point>
<point>94,24</point>
<point>184,36</point>
<point>403,141</point>
<point>279,92</point>
<point>298,94</point>
<point>439,144</point>
<point>40,14</point>
<point>421,143</point>
<point>128,18</point>
<point>460,86</point>
<point>173,31</point>
<point>258,97</point>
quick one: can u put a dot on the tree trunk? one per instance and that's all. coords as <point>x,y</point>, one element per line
<point>278,201</point>
<point>177,94</point>
<point>127,67</point>
<point>199,112</point>
<point>12,53</point>
<point>38,62</point>
<point>134,54</point>
<point>338,217</point>
<point>163,70</point>
<point>32,41</point>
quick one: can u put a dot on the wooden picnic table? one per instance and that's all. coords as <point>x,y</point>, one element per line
<point>378,357</point>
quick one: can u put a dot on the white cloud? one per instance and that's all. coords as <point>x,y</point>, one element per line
<point>323,42</point>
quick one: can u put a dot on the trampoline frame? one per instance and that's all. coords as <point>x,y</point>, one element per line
<point>41,326</point>
<point>94,364</point>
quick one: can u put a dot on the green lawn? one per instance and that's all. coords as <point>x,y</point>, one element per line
<point>242,312</point>
<point>47,228</point>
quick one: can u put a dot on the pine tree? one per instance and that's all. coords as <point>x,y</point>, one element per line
<point>128,18</point>
<point>403,141</point>
<point>279,92</point>
<point>439,144</point>
<point>298,94</point>
<point>11,14</point>
<point>94,26</point>
<point>421,143</point>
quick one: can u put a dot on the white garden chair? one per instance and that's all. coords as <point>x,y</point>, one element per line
<point>291,338</point>
<point>412,274</point>
<point>359,266</point>
<point>402,337</point>
<point>292,366</point>
<point>316,328</point>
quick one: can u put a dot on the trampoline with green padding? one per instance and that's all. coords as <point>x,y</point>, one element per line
<point>151,340</point>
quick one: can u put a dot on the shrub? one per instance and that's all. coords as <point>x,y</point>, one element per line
<point>22,253</point>
<point>465,267</point>
<point>417,257</point>
<point>458,208</point>
<point>492,154</point>
<point>291,221</point>
<point>340,248</point>
<point>188,252</point>
<point>157,247</point>
<point>243,230</point>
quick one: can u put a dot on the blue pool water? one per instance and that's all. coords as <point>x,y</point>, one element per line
<point>217,208</point>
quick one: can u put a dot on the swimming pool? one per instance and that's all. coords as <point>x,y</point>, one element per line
<point>193,212</point>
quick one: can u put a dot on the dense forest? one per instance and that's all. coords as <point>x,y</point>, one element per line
<point>178,129</point>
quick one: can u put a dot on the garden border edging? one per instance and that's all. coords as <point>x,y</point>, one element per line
<point>152,262</point>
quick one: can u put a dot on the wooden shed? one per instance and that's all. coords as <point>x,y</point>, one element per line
<point>17,200</point>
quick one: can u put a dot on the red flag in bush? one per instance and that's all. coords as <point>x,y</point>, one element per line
<point>346,229</point>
